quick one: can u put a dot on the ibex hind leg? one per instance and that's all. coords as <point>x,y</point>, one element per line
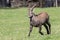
<point>48,23</point>
<point>46,28</point>
<point>40,28</point>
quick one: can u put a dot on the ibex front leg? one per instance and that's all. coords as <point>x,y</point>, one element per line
<point>31,27</point>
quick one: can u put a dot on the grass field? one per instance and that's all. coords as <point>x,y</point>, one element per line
<point>14,24</point>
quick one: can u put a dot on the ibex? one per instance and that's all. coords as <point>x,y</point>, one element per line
<point>39,20</point>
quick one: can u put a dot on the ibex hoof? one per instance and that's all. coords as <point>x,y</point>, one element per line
<point>48,33</point>
<point>28,35</point>
<point>41,33</point>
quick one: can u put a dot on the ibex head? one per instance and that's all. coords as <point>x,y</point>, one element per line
<point>30,8</point>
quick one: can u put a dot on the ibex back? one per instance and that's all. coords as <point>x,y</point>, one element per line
<point>39,20</point>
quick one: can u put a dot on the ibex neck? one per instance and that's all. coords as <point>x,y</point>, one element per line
<point>32,15</point>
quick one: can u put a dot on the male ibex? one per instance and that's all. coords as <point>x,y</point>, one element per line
<point>39,20</point>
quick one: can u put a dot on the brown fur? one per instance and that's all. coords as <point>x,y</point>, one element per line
<point>39,20</point>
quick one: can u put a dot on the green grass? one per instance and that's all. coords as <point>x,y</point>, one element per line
<point>14,24</point>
